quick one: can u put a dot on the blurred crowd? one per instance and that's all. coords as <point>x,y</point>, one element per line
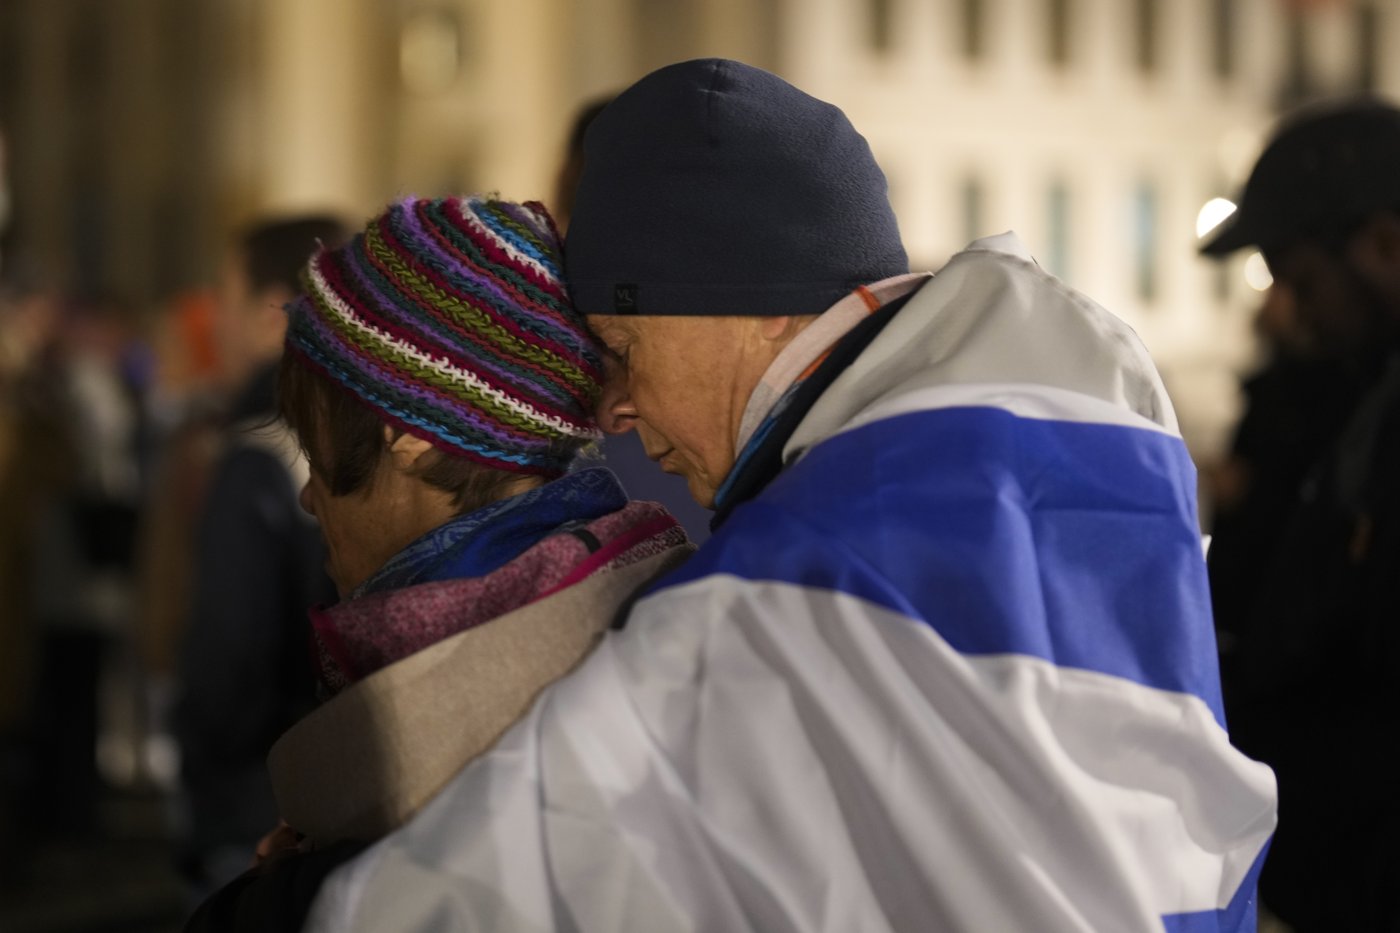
<point>95,400</point>
<point>100,407</point>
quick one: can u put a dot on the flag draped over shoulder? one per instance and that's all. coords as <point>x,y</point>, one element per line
<point>954,669</point>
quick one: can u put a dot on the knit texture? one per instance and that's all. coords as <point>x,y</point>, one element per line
<point>714,188</point>
<point>449,318</point>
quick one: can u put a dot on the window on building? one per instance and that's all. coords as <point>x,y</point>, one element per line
<point>1368,30</point>
<point>1145,41</point>
<point>1059,14</point>
<point>1222,46</point>
<point>1057,216</point>
<point>973,29</point>
<point>879,24</point>
<point>974,208</point>
<point>1145,235</point>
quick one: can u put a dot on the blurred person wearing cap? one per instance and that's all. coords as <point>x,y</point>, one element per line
<point>255,566</point>
<point>443,386</point>
<point>1294,403</point>
<point>1311,679</point>
<point>946,661</point>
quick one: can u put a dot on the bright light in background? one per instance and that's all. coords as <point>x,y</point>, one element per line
<point>1256,272</point>
<point>1212,215</point>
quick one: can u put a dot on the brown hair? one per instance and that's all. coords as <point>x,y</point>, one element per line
<point>344,442</point>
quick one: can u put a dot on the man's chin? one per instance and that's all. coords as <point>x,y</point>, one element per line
<point>700,489</point>
<point>702,492</point>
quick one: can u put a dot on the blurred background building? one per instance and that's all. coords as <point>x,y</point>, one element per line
<point>136,134</point>
<point>142,130</point>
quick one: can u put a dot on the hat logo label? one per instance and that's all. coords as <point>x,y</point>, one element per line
<point>625,298</point>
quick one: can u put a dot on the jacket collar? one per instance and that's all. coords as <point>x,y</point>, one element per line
<point>762,459</point>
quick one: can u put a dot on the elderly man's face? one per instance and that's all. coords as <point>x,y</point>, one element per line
<point>682,383</point>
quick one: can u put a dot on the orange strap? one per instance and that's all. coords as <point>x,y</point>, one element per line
<point>872,304</point>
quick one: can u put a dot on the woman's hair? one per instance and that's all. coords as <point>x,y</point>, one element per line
<point>344,441</point>
<point>446,319</point>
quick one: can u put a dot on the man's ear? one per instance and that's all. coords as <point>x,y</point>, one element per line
<point>405,449</point>
<point>774,328</point>
<point>784,328</point>
<point>1375,253</point>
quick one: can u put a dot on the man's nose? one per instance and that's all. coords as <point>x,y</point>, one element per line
<point>616,413</point>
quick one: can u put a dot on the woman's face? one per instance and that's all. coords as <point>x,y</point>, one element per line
<point>391,509</point>
<point>359,529</point>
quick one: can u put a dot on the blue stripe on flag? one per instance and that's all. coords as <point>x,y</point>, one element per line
<point>1072,542</point>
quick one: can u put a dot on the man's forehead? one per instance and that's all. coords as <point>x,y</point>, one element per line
<point>618,329</point>
<point>609,326</point>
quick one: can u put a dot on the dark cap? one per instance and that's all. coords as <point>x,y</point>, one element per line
<point>1327,168</point>
<point>714,188</point>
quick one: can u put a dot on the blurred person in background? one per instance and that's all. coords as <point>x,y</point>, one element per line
<point>571,167</point>
<point>443,386</point>
<point>186,380</point>
<point>623,453</point>
<point>946,661</point>
<point>1295,404</point>
<point>14,346</point>
<point>24,321</point>
<point>187,435</point>
<point>4,199</point>
<point>27,322</point>
<point>1315,670</point>
<point>243,676</point>
<point>183,409</point>
<point>84,398</point>
<point>35,460</point>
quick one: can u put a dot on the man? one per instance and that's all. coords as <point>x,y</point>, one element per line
<point>244,674</point>
<point>946,662</point>
<point>1311,679</point>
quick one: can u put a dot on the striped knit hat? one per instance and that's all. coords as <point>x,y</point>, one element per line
<point>449,318</point>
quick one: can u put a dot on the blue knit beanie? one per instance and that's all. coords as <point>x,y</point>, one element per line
<point>714,188</point>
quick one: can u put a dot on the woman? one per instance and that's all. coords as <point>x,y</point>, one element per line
<point>441,385</point>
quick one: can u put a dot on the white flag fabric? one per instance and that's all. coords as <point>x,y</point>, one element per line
<point>954,669</point>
